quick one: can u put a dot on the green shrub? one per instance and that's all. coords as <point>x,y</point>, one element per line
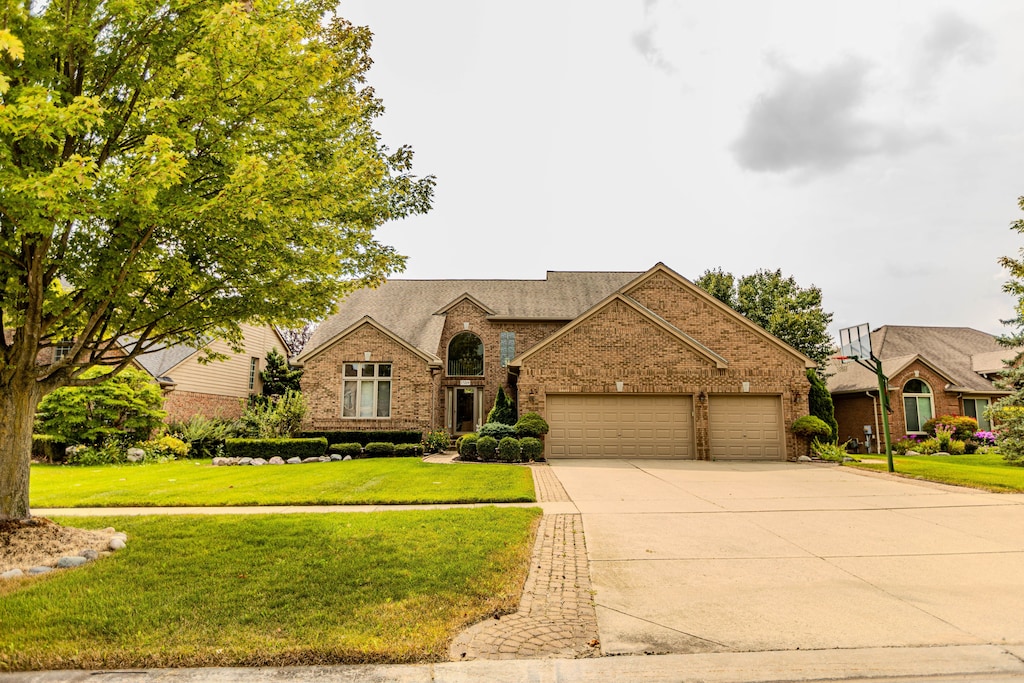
<point>486,446</point>
<point>403,450</point>
<point>819,403</point>
<point>205,436</point>
<point>365,436</point>
<point>110,453</point>
<point>944,435</point>
<point>963,427</point>
<point>498,430</point>
<point>531,424</point>
<point>278,378</point>
<point>903,445</point>
<point>269,417</point>
<point>509,450</point>
<point>957,447</point>
<point>928,447</point>
<point>437,442</point>
<point>503,411</point>
<point>268,448</point>
<point>343,449</point>
<point>810,427</point>
<point>829,451</point>
<point>467,446</point>
<point>379,449</point>
<point>1010,437</point>
<point>49,448</point>
<point>533,449</point>
<point>164,449</point>
<point>126,406</point>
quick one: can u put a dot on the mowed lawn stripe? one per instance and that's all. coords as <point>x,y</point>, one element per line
<point>227,590</point>
<point>357,482</point>
<point>986,471</point>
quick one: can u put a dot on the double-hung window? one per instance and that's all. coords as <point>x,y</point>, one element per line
<point>366,390</point>
<point>976,407</point>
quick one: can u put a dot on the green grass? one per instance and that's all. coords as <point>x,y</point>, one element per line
<point>190,482</point>
<point>988,471</point>
<point>254,590</point>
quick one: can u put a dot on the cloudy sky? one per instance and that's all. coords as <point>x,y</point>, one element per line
<point>873,149</point>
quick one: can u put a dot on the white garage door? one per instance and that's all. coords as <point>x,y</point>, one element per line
<point>746,428</point>
<point>616,426</point>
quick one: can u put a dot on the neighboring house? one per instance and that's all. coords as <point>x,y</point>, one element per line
<point>620,364</point>
<point>932,371</point>
<point>218,388</point>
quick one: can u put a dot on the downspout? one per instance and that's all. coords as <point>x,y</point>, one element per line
<point>874,412</point>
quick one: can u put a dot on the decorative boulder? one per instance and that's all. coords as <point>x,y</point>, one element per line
<point>220,461</point>
<point>294,461</point>
<point>258,461</point>
<point>71,561</point>
<point>116,544</point>
<point>245,461</point>
<point>135,455</point>
<point>276,460</point>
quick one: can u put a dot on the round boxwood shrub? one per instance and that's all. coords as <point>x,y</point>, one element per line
<point>408,449</point>
<point>811,427</point>
<point>379,449</point>
<point>498,430</point>
<point>531,424</point>
<point>509,450</point>
<point>533,449</point>
<point>467,446</point>
<point>486,446</point>
<point>343,449</point>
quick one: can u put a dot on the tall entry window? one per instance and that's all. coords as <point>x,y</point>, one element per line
<point>366,390</point>
<point>917,405</point>
<point>465,355</point>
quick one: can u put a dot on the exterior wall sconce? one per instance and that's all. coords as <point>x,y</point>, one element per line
<point>619,386</point>
<point>702,397</point>
<point>532,396</point>
<point>796,397</point>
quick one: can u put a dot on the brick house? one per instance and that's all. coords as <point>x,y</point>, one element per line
<point>932,371</point>
<point>619,363</point>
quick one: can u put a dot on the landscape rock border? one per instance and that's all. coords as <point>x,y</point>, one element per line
<point>276,460</point>
<point>116,541</point>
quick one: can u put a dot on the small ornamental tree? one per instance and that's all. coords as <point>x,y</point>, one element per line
<point>809,428</point>
<point>820,404</point>
<point>128,405</point>
<point>503,410</point>
<point>531,424</point>
<point>278,378</point>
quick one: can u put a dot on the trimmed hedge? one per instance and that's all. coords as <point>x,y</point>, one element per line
<point>467,446</point>
<point>268,448</point>
<point>486,447</point>
<point>403,450</point>
<point>509,450</point>
<point>353,449</point>
<point>379,449</point>
<point>533,449</point>
<point>364,436</point>
<point>498,430</point>
<point>531,424</point>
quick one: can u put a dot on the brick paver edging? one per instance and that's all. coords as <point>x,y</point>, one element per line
<point>556,616</point>
<point>547,486</point>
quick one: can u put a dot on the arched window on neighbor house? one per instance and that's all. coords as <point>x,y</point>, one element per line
<point>917,405</point>
<point>465,355</point>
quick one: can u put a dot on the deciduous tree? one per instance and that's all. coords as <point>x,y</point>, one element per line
<point>170,169</point>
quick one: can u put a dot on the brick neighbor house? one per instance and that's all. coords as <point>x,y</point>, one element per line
<point>932,371</point>
<point>620,364</point>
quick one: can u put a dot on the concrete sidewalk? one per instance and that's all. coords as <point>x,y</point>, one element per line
<point>878,665</point>
<point>689,557</point>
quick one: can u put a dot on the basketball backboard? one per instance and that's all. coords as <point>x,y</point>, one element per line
<point>855,342</point>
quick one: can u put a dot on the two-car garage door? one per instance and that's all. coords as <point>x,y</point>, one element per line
<point>661,426</point>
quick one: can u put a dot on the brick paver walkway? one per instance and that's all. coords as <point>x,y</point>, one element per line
<point>556,616</point>
<point>547,486</point>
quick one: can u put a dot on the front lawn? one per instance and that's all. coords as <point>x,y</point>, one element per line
<point>271,590</point>
<point>353,482</point>
<point>988,471</point>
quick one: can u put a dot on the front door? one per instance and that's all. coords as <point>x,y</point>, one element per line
<point>464,405</point>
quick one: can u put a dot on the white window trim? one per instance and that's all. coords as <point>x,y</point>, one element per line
<point>358,380</point>
<point>931,402</point>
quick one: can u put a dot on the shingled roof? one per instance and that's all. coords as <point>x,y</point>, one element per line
<point>956,353</point>
<point>414,310</point>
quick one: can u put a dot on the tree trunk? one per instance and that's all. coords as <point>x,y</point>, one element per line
<point>18,402</point>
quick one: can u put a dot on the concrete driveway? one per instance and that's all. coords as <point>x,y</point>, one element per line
<point>689,557</point>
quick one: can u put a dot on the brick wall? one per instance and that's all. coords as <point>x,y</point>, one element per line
<point>853,411</point>
<point>181,405</point>
<point>412,383</point>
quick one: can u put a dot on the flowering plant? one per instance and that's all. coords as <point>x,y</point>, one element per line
<point>986,438</point>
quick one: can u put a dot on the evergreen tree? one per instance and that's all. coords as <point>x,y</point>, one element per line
<point>820,403</point>
<point>503,410</point>
<point>278,378</point>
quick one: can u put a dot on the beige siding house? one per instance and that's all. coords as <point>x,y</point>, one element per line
<point>218,388</point>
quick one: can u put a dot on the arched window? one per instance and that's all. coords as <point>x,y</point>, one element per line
<point>465,355</point>
<point>917,405</point>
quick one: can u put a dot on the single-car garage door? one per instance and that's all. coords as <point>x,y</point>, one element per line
<point>616,425</point>
<point>746,428</point>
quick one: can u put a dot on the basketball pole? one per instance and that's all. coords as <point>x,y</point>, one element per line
<point>884,396</point>
<point>855,344</point>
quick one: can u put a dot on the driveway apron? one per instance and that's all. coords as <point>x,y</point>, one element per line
<point>690,557</point>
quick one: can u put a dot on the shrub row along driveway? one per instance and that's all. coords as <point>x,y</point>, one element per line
<point>708,557</point>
